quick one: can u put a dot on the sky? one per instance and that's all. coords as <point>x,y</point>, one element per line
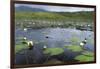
<point>57,8</point>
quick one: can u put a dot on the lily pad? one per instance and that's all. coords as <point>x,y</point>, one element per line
<point>20,47</point>
<point>88,53</point>
<point>84,58</point>
<point>74,48</point>
<point>53,51</point>
<point>75,40</point>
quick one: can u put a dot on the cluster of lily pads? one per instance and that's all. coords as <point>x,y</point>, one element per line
<point>85,54</point>
<point>83,57</point>
<point>21,45</point>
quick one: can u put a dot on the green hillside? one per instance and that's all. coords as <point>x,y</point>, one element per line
<point>55,15</point>
<point>51,19</point>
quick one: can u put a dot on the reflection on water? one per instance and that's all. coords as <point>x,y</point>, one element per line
<point>57,37</point>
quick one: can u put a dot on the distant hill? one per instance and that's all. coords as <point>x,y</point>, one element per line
<point>80,16</point>
<point>52,19</point>
<point>26,8</point>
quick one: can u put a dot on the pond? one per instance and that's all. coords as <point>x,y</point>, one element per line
<point>52,38</point>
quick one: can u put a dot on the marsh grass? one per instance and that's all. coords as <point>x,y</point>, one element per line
<point>52,19</point>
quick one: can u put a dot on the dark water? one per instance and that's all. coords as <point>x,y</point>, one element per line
<point>57,37</point>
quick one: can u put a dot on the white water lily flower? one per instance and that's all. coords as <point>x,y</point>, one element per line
<point>24,38</point>
<point>33,23</point>
<point>30,42</point>
<point>44,46</point>
<point>88,25</point>
<point>25,29</point>
<point>81,44</point>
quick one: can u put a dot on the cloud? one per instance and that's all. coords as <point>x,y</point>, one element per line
<point>57,8</point>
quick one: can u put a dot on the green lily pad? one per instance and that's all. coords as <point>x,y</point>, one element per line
<point>20,47</point>
<point>74,48</point>
<point>75,40</point>
<point>88,53</point>
<point>83,58</point>
<point>53,51</point>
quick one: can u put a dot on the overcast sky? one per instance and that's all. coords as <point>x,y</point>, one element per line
<point>57,8</point>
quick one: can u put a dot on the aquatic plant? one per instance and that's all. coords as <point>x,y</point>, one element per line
<point>88,53</point>
<point>44,47</point>
<point>85,56</point>
<point>20,47</point>
<point>53,51</point>
<point>23,44</point>
<point>75,40</point>
<point>74,48</point>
